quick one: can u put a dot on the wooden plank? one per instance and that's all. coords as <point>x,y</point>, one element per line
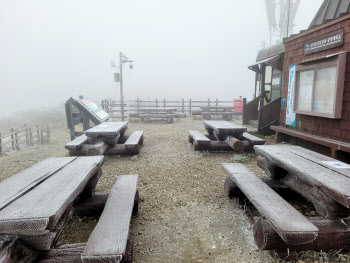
<point>322,160</point>
<point>106,129</point>
<point>107,242</point>
<point>156,109</point>
<point>199,138</point>
<point>253,139</point>
<point>134,139</point>
<point>334,184</point>
<point>225,127</point>
<point>76,143</point>
<point>291,226</point>
<point>41,208</point>
<point>19,184</point>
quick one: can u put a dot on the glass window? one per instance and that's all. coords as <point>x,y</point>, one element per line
<point>305,80</point>
<point>325,83</point>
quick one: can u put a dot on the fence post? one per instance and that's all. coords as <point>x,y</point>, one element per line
<point>30,136</point>
<point>183,105</point>
<point>0,143</point>
<point>217,102</point>
<point>208,102</point>
<point>48,131</point>
<point>190,106</point>
<point>38,134</point>
<point>41,135</point>
<point>16,138</point>
<point>12,138</point>
<point>27,135</point>
<point>156,103</point>
<point>164,102</point>
<point>138,106</point>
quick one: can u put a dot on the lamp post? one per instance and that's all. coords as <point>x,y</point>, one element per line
<point>122,59</point>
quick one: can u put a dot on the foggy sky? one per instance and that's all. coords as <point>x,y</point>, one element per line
<point>51,50</point>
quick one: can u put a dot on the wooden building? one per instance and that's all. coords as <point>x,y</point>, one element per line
<point>315,95</point>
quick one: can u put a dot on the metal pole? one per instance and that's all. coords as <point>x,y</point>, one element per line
<point>121,84</point>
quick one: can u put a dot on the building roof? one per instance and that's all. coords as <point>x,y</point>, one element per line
<point>329,10</point>
<point>270,51</point>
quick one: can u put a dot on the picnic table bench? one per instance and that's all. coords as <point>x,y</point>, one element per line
<point>106,138</point>
<point>223,136</point>
<point>226,112</point>
<point>146,114</point>
<point>319,179</point>
<point>37,203</point>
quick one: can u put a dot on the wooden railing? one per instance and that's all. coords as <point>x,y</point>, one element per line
<point>269,115</point>
<point>116,110</point>
<point>26,136</point>
<point>250,110</point>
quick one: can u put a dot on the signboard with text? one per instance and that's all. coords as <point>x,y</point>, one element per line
<point>328,41</point>
<point>290,114</point>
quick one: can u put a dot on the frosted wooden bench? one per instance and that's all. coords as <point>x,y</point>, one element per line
<point>289,224</point>
<point>108,241</point>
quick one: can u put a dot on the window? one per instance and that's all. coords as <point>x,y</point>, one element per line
<point>319,86</point>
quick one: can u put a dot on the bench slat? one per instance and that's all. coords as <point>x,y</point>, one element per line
<point>42,207</point>
<point>106,129</point>
<point>108,239</point>
<point>253,139</point>
<point>199,138</point>
<point>334,184</point>
<point>19,184</point>
<point>134,139</point>
<point>291,225</point>
<point>76,143</point>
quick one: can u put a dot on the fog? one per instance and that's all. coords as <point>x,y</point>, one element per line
<point>51,50</point>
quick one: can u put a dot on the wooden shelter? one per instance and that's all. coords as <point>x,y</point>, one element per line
<point>315,95</point>
<point>264,109</point>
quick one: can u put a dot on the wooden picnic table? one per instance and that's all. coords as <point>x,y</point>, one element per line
<point>37,202</point>
<point>106,129</point>
<point>223,136</point>
<point>145,114</point>
<point>321,180</point>
<point>158,109</point>
<point>224,127</point>
<point>207,111</point>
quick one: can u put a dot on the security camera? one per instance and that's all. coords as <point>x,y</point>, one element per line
<point>131,66</point>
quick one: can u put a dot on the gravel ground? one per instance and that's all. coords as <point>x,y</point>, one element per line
<point>184,215</point>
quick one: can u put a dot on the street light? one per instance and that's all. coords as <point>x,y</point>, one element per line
<point>122,59</point>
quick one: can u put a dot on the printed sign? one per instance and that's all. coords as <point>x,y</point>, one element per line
<point>328,41</point>
<point>92,106</point>
<point>276,81</point>
<point>290,115</point>
<point>337,164</point>
<point>284,101</point>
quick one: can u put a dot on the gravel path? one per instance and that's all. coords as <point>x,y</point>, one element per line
<point>184,215</point>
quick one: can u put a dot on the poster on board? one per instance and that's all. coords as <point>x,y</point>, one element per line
<point>290,115</point>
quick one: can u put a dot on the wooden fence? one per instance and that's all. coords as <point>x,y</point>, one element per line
<point>116,110</point>
<point>26,136</point>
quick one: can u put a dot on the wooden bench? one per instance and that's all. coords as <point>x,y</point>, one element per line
<point>76,143</point>
<point>198,138</point>
<point>108,241</point>
<point>334,145</point>
<point>134,140</point>
<point>252,139</point>
<point>290,225</point>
